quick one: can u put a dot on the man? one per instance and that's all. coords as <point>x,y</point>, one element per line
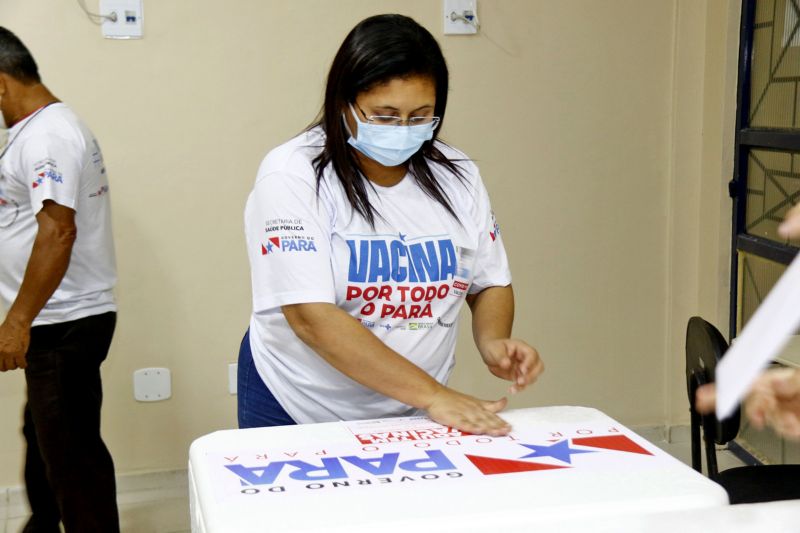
<point>57,273</point>
<point>774,398</point>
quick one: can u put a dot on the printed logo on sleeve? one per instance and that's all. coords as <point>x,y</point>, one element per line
<point>286,235</point>
<point>288,244</point>
<point>100,192</point>
<point>495,228</point>
<point>45,170</point>
<point>97,156</point>
<point>275,225</point>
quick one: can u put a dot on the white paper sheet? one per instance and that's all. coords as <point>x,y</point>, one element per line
<point>762,339</point>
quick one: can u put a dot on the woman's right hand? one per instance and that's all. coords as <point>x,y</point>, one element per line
<point>467,413</point>
<point>357,353</point>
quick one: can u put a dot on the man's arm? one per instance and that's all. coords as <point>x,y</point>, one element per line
<point>507,358</point>
<point>46,267</point>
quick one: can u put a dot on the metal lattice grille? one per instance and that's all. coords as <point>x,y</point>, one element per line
<point>766,175</point>
<point>757,277</point>
<point>776,65</point>
<point>773,186</point>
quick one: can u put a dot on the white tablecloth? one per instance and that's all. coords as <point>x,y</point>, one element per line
<point>568,466</point>
<point>772,517</point>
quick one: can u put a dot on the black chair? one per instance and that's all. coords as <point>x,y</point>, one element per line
<point>705,346</point>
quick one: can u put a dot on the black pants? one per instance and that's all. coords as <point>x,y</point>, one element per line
<point>69,473</point>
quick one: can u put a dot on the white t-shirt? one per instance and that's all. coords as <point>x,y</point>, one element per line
<point>52,155</point>
<point>406,280</point>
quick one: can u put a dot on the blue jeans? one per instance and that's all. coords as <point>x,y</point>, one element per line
<point>257,407</point>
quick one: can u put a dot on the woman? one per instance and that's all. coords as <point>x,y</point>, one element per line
<point>365,236</point>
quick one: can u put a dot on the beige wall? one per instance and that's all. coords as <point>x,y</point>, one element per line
<point>599,127</point>
<point>699,209</point>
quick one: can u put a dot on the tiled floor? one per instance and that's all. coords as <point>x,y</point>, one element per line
<point>158,514</point>
<point>151,508</point>
<point>680,450</point>
<point>154,503</point>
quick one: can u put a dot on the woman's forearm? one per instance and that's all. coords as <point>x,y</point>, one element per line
<point>492,314</point>
<point>350,348</point>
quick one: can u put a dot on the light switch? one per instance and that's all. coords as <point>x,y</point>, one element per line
<point>124,19</point>
<point>233,378</point>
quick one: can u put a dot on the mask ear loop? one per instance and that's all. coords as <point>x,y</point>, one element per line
<point>346,126</point>
<point>355,117</point>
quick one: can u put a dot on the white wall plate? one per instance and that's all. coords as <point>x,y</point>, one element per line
<point>129,23</point>
<point>460,17</point>
<point>152,384</point>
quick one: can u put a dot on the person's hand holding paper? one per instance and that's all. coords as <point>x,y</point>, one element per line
<point>774,396</point>
<point>790,228</point>
<point>773,400</point>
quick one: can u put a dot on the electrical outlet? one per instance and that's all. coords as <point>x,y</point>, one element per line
<point>124,19</point>
<point>152,384</point>
<point>460,17</point>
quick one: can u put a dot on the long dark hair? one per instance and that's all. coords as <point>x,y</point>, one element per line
<point>377,50</point>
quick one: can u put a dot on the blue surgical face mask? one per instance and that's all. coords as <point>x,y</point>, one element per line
<point>389,145</point>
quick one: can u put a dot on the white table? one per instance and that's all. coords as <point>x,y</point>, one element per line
<point>562,466</point>
<point>771,517</point>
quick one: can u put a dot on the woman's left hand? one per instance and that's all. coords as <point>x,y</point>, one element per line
<point>513,360</point>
